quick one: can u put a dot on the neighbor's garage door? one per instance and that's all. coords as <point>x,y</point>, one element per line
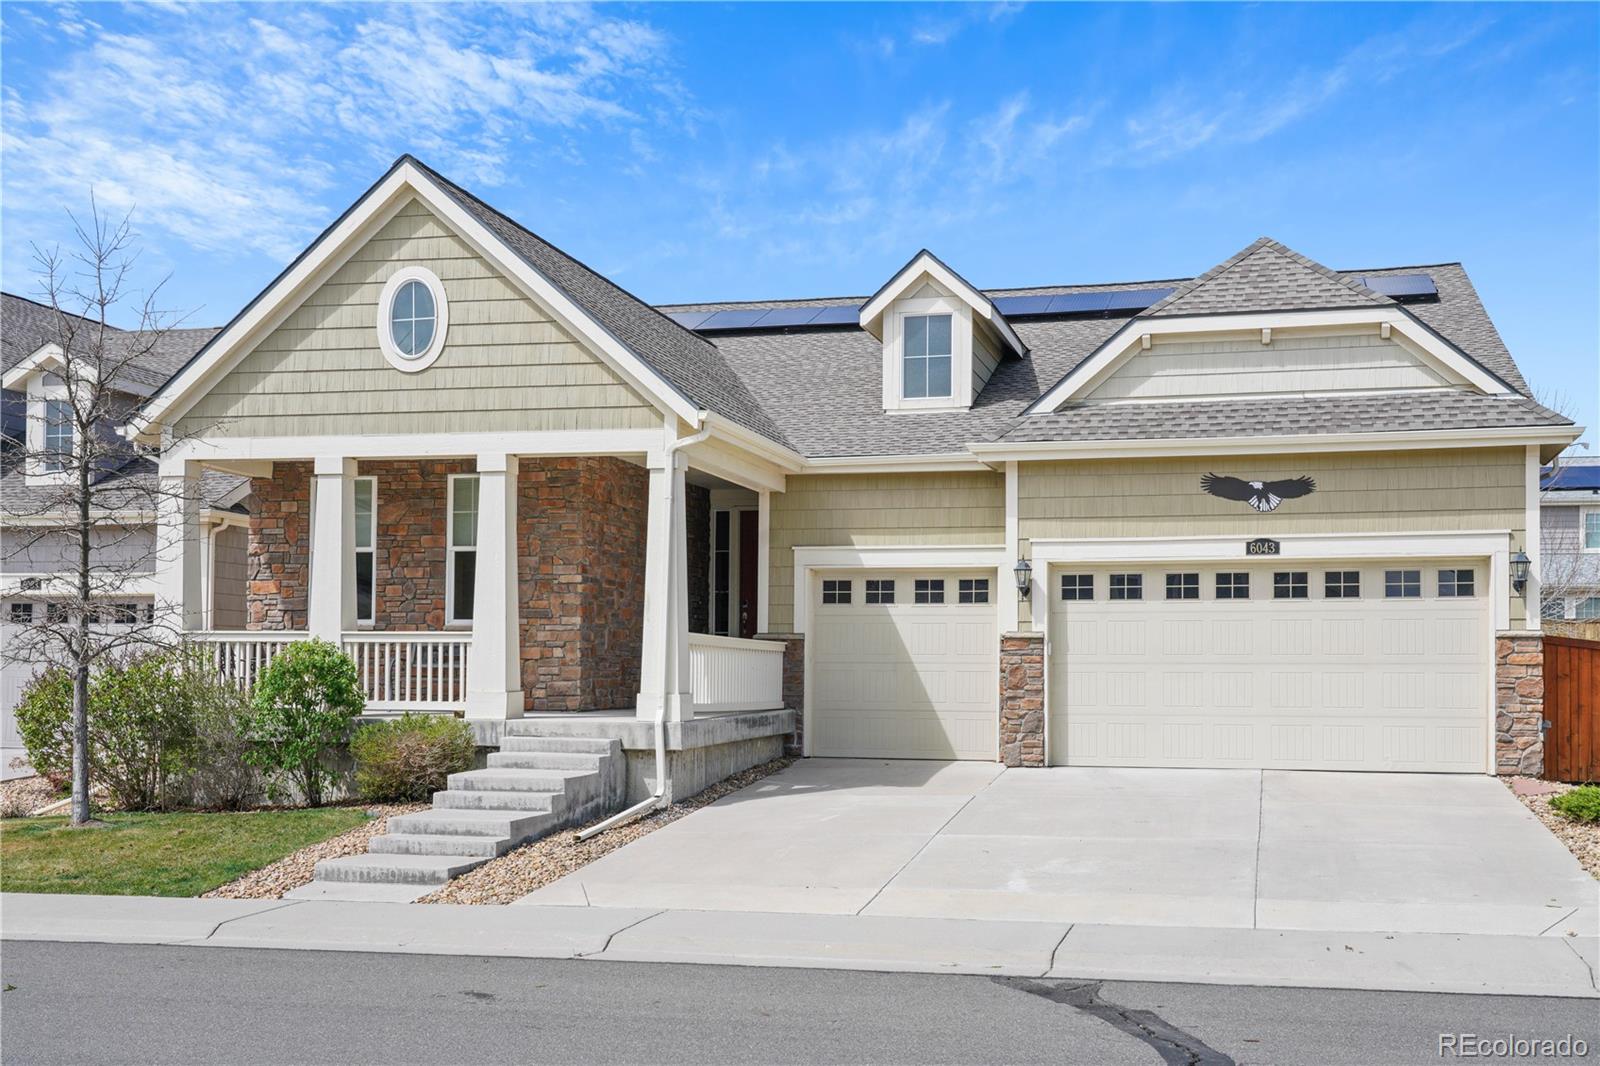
<point>1328,667</point>
<point>904,665</point>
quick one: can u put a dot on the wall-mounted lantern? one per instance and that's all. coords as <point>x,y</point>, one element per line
<point>1520,564</point>
<point>1024,575</point>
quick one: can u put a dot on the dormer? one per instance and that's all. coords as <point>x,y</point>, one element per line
<point>941,337</point>
<point>50,430</point>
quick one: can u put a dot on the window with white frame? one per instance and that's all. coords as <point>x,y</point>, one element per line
<point>1402,584</point>
<point>928,590</point>
<point>1553,608</point>
<point>1588,608</point>
<point>461,552</point>
<point>413,317</point>
<point>880,590</point>
<point>1341,584</point>
<point>972,590</point>
<point>925,368</point>
<point>1233,585</point>
<point>21,613</point>
<point>1291,585</point>
<point>1456,583</point>
<point>836,591</point>
<point>366,494</point>
<point>1127,586</point>
<point>56,452</point>
<point>1183,586</point>
<point>1077,586</point>
<point>1591,530</point>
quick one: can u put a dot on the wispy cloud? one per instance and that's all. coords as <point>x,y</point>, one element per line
<point>223,130</point>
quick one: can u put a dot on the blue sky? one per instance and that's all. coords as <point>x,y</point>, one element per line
<point>710,151</point>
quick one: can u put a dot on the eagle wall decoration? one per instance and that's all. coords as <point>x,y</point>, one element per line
<point>1262,495</point>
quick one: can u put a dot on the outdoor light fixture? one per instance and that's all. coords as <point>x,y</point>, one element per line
<point>1024,574</point>
<point>1519,570</point>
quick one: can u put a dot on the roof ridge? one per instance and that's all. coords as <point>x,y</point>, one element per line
<point>1250,251</point>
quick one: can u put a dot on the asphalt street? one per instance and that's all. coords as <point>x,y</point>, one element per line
<point>98,1003</point>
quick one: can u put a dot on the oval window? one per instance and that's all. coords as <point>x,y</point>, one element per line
<point>411,319</point>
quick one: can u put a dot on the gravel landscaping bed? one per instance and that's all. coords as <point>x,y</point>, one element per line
<point>292,871</point>
<point>515,874</point>
<point>22,796</point>
<point>1580,838</point>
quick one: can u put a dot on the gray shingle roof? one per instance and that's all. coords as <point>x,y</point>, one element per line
<point>26,326</point>
<point>132,486</point>
<point>688,361</point>
<point>1266,276</point>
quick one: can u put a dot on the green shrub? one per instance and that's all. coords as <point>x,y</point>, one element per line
<point>301,712</point>
<point>410,757</point>
<point>44,722</point>
<point>1581,804</point>
<point>221,776</point>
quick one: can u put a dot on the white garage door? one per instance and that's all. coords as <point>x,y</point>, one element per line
<point>1357,666</point>
<point>904,665</point>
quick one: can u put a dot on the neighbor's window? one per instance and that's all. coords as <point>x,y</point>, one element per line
<point>836,592</point>
<point>462,549</point>
<point>1455,583</point>
<point>928,590</point>
<point>1553,608</point>
<point>1402,584</point>
<point>1077,586</point>
<point>1127,586</point>
<point>1591,530</point>
<point>1588,608</point>
<point>55,613</point>
<point>1233,585</point>
<point>57,436</point>
<point>973,590</point>
<point>1341,585</point>
<point>880,591</point>
<point>925,371</point>
<point>1183,586</point>
<point>1291,585</point>
<point>366,493</point>
<point>22,614</point>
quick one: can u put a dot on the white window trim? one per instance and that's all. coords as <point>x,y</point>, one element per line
<point>372,550</point>
<point>398,359</point>
<point>1583,526</point>
<point>39,392</point>
<point>1577,603</point>
<point>450,550</point>
<point>960,355</point>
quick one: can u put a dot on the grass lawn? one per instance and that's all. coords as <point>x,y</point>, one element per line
<point>157,854</point>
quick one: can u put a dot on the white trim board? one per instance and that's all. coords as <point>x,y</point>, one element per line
<point>404,182</point>
<point>1411,440</point>
<point>925,262</point>
<point>1127,342</point>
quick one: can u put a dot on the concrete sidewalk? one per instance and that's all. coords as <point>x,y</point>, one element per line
<point>1411,962</point>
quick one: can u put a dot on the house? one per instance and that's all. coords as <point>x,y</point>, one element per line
<point>1276,515</point>
<point>35,552</point>
<point>1569,508</point>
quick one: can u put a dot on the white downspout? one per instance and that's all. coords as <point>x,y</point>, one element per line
<point>657,799</point>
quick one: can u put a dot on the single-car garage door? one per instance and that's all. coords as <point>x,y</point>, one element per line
<point>904,665</point>
<point>1336,666</point>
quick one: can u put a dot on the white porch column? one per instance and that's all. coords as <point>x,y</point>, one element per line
<point>763,559</point>
<point>180,588</point>
<point>332,607</point>
<point>494,663</point>
<point>664,658</point>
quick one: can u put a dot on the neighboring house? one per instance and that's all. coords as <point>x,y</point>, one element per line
<point>1271,516</point>
<point>1570,516</point>
<point>32,564</point>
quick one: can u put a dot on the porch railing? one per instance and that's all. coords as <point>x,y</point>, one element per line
<point>396,671</point>
<point>734,674</point>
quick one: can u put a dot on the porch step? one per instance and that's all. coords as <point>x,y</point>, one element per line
<point>397,869</point>
<point>527,792</point>
<point>515,741</point>
<point>439,844</point>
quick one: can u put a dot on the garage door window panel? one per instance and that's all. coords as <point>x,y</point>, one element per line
<point>928,590</point>
<point>1402,584</point>
<point>1233,585</point>
<point>1183,586</point>
<point>880,590</point>
<point>1077,586</point>
<point>1341,585</point>
<point>836,592</point>
<point>1126,587</point>
<point>1291,585</point>
<point>972,590</point>
<point>1456,583</point>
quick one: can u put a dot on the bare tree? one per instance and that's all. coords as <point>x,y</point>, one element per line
<point>1564,572</point>
<point>88,513</point>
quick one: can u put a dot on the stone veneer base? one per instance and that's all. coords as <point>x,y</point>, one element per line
<point>1022,699</point>
<point>1519,703</point>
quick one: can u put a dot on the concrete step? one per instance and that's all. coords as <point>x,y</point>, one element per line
<point>546,760</point>
<point>472,799</point>
<point>513,741</point>
<point>514,780</point>
<point>471,823</point>
<point>397,869</point>
<point>439,844</point>
<point>360,892</point>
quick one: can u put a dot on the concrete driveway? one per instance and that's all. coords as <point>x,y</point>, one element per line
<point>1209,848</point>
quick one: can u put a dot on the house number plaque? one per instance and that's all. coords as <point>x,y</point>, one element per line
<point>1261,546</point>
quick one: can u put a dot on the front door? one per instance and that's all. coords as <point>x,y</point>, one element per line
<point>749,530</point>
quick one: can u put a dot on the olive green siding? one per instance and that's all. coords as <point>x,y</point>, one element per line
<point>505,366</point>
<point>827,510</point>
<point>1363,492</point>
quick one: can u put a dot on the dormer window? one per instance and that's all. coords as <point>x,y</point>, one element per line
<point>925,371</point>
<point>57,444</point>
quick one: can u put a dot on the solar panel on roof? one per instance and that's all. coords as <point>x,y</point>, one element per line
<point>1022,305</point>
<point>1400,284</point>
<point>734,319</point>
<point>1074,303</point>
<point>1135,299</point>
<point>689,319</point>
<point>787,316</point>
<point>1572,477</point>
<point>837,315</point>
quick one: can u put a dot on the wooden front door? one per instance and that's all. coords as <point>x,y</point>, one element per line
<point>749,530</point>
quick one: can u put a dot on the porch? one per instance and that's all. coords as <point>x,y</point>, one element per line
<point>495,585</point>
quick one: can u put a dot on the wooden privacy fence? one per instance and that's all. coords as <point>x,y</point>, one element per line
<point>1572,707</point>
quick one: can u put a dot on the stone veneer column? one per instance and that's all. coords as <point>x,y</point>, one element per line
<point>1519,703</point>
<point>1022,699</point>
<point>794,685</point>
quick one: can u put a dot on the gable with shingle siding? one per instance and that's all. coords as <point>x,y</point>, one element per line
<point>506,365</point>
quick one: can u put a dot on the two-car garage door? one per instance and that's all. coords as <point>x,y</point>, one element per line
<point>1352,666</point>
